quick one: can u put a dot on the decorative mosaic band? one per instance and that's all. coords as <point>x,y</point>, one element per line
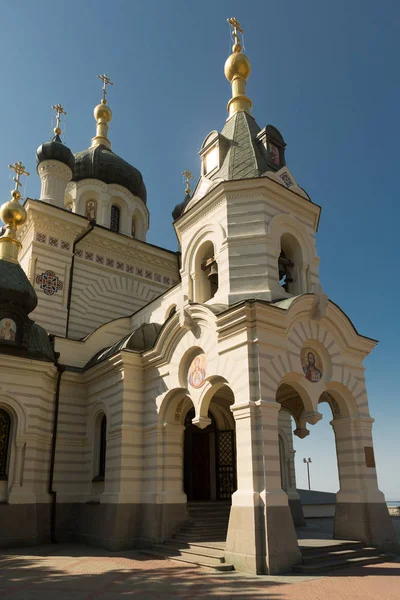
<point>108,262</point>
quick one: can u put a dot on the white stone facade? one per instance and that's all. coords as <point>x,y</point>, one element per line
<point>159,362</point>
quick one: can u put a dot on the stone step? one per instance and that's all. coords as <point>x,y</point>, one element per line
<point>214,521</point>
<point>216,553</point>
<point>199,538</point>
<point>201,561</point>
<point>196,527</point>
<point>339,554</point>
<point>324,549</point>
<point>330,565</point>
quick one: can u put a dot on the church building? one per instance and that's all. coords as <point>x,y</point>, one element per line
<point>145,393</point>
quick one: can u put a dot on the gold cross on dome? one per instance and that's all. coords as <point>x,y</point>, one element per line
<point>106,81</point>
<point>19,169</point>
<point>188,176</point>
<point>60,111</point>
<point>236,28</point>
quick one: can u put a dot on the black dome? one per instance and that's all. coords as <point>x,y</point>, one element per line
<point>55,150</point>
<point>15,287</point>
<point>103,164</point>
<point>179,208</point>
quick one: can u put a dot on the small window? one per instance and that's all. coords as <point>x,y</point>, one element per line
<point>103,447</point>
<point>5,429</point>
<point>211,160</point>
<point>115,217</point>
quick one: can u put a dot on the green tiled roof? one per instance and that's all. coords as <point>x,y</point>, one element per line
<point>246,157</point>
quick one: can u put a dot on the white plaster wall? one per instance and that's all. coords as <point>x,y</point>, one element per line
<point>114,275</point>
<point>27,394</point>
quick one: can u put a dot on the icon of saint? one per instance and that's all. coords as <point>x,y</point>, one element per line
<point>7,330</point>
<point>197,374</point>
<point>311,372</point>
<point>91,210</point>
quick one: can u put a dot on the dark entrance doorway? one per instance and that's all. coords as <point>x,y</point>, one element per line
<point>209,461</point>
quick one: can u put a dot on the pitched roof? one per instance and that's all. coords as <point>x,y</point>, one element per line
<point>246,157</point>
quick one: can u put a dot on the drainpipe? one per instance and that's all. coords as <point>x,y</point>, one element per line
<point>80,237</point>
<point>60,371</point>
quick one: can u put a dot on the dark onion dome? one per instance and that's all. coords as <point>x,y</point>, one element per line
<point>15,287</point>
<point>55,150</point>
<point>140,339</point>
<point>39,345</point>
<point>179,208</point>
<point>103,164</point>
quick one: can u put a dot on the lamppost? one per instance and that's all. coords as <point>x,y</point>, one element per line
<point>308,461</point>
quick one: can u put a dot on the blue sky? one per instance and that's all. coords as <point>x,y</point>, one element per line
<point>325,73</point>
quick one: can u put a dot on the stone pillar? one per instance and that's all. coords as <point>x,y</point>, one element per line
<point>282,550</point>
<point>245,542</point>
<point>261,535</point>
<point>20,493</point>
<point>361,511</point>
<point>173,499</point>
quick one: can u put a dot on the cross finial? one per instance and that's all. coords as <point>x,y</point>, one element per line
<point>236,29</point>
<point>19,169</point>
<point>106,81</point>
<point>188,176</point>
<point>60,111</point>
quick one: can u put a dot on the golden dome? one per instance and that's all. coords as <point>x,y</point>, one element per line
<point>102,112</point>
<point>237,65</point>
<point>12,213</point>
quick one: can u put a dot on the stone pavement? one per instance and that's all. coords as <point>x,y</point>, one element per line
<point>71,572</point>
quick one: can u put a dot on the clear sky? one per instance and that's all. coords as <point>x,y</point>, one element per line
<point>325,73</point>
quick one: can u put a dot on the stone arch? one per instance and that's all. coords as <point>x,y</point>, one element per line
<point>17,412</point>
<point>85,190</point>
<point>171,406</point>
<point>18,425</point>
<point>211,232</point>
<point>294,253</point>
<point>287,224</point>
<point>212,386</point>
<point>139,223</point>
<point>171,310</point>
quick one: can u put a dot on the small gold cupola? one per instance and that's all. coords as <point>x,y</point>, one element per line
<point>13,215</point>
<point>237,70</point>
<point>103,116</point>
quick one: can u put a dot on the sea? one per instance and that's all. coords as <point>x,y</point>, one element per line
<point>393,503</point>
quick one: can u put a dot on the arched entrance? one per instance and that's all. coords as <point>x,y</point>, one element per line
<point>209,472</point>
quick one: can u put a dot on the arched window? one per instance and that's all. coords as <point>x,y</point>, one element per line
<point>134,228</point>
<point>206,282</point>
<point>115,218</point>
<point>102,447</point>
<point>5,429</point>
<point>289,265</point>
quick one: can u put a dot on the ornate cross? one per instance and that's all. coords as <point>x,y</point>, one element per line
<point>188,176</point>
<point>19,169</point>
<point>236,28</point>
<point>60,111</point>
<point>106,81</point>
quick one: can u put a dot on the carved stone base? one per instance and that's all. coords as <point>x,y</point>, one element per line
<point>262,540</point>
<point>367,522</point>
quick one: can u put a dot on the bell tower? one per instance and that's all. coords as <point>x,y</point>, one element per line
<point>248,229</point>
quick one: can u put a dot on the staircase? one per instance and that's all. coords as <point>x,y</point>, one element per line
<point>201,539</point>
<point>337,555</point>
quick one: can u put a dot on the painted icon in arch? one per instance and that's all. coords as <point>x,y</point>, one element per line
<point>197,371</point>
<point>312,365</point>
<point>8,330</point>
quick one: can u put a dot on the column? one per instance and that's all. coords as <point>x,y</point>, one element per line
<point>361,511</point>
<point>173,501</point>
<point>281,549</point>
<point>246,535</point>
